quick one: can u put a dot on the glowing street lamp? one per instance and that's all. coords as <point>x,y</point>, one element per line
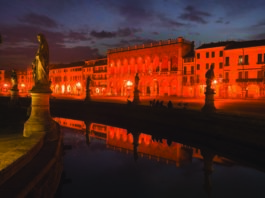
<point>129,83</point>
<point>78,85</point>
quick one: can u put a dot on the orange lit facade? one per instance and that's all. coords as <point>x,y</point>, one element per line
<point>4,85</point>
<point>98,76</point>
<point>165,68</point>
<point>71,79</point>
<point>239,69</point>
<point>159,66</point>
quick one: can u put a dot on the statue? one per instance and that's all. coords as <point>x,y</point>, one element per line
<point>14,79</point>
<point>136,80</point>
<point>88,82</point>
<point>40,64</point>
<point>136,96</point>
<point>209,92</point>
<point>209,77</point>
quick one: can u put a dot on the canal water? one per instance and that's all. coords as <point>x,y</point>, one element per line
<point>107,161</point>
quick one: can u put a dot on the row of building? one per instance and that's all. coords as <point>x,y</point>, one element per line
<point>166,68</point>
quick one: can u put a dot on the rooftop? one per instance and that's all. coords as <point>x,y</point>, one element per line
<point>217,44</point>
<point>245,44</point>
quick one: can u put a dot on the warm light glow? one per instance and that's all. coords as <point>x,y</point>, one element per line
<point>22,85</point>
<point>129,83</point>
<point>78,84</point>
<point>215,82</point>
<point>5,85</point>
<point>97,90</point>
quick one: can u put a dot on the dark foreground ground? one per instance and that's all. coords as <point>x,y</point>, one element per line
<point>239,137</point>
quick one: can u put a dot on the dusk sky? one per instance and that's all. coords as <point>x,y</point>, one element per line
<point>84,29</point>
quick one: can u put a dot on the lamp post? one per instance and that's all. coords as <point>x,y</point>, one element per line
<point>78,85</point>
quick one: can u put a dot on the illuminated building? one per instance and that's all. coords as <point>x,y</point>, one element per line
<point>99,77</point>
<point>67,79</point>
<point>21,80</point>
<point>159,66</point>
<point>165,68</point>
<point>239,69</point>
<point>3,83</point>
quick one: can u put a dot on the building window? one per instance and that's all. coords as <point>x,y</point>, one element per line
<point>192,69</point>
<point>207,65</point>
<point>240,60</point>
<point>198,55</point>
<point>259,74</point>
<point>220,65</point>
<point>246,60</point>
<point>246,75</point>
<point>213,54</point>
<point>198,79</point>
<point>227,75</point>
<point>184,79</point>
<point>226,61</point>
<point>185,70</point>
<point>192,80</point>
<point>207,54</point>
<point>221,53</point>
<point>239,75</point>
<point>198,66</point>
<point>259,59</point>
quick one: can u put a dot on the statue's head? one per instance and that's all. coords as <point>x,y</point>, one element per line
<point>40,37</point>
<point>212,66</point>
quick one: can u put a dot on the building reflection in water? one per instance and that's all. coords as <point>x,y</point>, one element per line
<point>144,145</point>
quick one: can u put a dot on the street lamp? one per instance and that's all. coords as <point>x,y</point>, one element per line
<point>78,85</point>
<point>23,86</point>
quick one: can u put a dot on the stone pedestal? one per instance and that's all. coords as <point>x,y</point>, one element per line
<point>14,96</point>
<point>209,101</point>
<point>40,119</point>
<point>136,97</point>
<point>88,97</point>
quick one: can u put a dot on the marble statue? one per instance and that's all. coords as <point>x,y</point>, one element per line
<point>40,65</point>
<point>136,80</point>
<point>14,79</point>
<point>209,77</point>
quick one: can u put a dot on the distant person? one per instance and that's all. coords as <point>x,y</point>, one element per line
<point>157,103</point>
<point>169,104</point>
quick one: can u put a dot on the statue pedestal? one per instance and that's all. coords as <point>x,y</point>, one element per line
<point>136,97</point>
<point>40,119</point>
<point>88,98</point>
<point>14,96</point>
<point>209,101</point>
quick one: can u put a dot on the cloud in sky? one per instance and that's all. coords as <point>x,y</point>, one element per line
<point>194,15</point>
<point>39,20</point>
<point>96,25</point>
<point>121,32</point>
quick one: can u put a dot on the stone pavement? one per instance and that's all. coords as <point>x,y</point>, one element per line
<point>13,146</point>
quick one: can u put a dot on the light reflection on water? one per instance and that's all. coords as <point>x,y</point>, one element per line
<point>110,161</point>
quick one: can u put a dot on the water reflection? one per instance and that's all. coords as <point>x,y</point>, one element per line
<point>150,147</point>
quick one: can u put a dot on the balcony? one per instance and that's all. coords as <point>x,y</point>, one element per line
<point>100,71</point>
<point>249,80</point>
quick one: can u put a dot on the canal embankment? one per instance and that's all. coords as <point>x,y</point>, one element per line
<point>28,166</point>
